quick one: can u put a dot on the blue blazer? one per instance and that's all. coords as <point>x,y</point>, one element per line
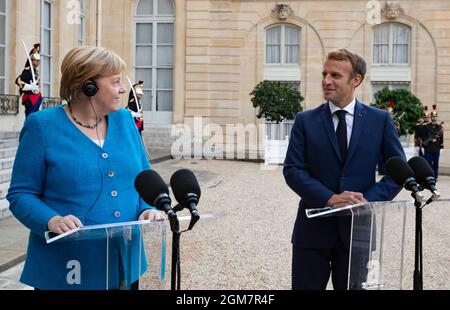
<point>60,171</point>
<point>313,168</point>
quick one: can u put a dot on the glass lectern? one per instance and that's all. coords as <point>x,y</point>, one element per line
<point>128,250</point>
<point>376,259</point>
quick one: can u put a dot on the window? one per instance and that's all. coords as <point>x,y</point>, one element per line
<point>46,47</point>
<point>391,44</point>
<point>376,86</point>
<point>3,78</point>
<point>282,45</point>
<point>80,23</point>
<point>154,53</point>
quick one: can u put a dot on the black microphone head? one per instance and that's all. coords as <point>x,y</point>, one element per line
<point>184,182</point>
<point>150,185</point>
<point>398,170</point>
<point>421,168</point>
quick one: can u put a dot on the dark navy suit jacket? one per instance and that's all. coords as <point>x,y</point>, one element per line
<point>313,168</point>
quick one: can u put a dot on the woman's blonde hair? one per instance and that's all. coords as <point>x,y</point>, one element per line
<point>86,63</point>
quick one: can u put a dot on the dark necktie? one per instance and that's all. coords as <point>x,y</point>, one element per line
<point>341,133</point>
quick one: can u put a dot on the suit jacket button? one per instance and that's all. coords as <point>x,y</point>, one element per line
<point>117,214</point>
<point>104,155</point>
<point>114,193</point>
<point>110,173</point>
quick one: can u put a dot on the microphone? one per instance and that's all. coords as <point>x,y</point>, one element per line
<point>403,175</point>
<point>187,192</point>
<point>155,192</point>
<point>424,175</point>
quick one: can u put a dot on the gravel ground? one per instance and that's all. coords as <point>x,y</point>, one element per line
<point>246,245</point>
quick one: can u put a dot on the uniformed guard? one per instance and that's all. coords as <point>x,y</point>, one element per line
<point>28,82</point>
<point>433,141</point>
<point>420,132</point>
<point>135,107</point>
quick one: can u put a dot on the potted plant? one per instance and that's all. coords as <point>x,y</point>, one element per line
<point>276,101</point>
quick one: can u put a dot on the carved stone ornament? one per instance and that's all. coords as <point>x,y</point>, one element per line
<point>391,10</point>
<point>282,11</point>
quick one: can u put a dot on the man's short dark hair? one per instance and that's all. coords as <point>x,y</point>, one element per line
<point>357,62</point>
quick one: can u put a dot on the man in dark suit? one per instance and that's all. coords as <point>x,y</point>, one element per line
<point>331,161</point>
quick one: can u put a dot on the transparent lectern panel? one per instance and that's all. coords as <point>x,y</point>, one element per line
<point>377,246</point>
<point>112,256</point>
<point>377,238</point>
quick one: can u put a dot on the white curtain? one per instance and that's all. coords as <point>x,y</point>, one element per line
<point>381,44</point>
<point>145,7</point>
<point>165,44</point>
<point>80,25</point>
<point>144,33</point>
<point>392,85</point>
<point>400,44</point>
<point>273,42</point>
<point>164,85</point>
<point>165,7</point>
<point>80,31</point>
<point>145,74</point>
<point>291,42</point>
<point>157,77</point>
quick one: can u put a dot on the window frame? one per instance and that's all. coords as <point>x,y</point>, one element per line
<point>81,23</point>
<point>5,82</point>
<point>154,19</point>
<point>389,84</point>
<point>42,54</point>
<point>391,44</point>
<point>283,45</point>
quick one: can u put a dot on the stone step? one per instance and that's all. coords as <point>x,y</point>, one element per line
<point>157,135</point>
<point>158,129</point>
<point>167,140</point>
<point>147,125</point>
<point>4,209</point>
<point>5,175</point>
<point>8,143</point>
<point>9,135</point>
<point>6,163</point>
<point>8,152</point>
<point>4,189</point>
<point>159,144</point>
<point>151,146</point>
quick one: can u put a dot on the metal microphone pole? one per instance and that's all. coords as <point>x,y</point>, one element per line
<point>176,270</point>
<point>176,233</point>
<point>418,266</point>
<point>175,227</point>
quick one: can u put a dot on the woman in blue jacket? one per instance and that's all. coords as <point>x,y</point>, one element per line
<point>76,165</point>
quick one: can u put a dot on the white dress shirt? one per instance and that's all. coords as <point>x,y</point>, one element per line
<point>350,108</point>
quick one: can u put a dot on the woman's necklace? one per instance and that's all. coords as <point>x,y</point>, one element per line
<point>80,123</point>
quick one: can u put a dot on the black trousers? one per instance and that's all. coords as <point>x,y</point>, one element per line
<point>311,268</point>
